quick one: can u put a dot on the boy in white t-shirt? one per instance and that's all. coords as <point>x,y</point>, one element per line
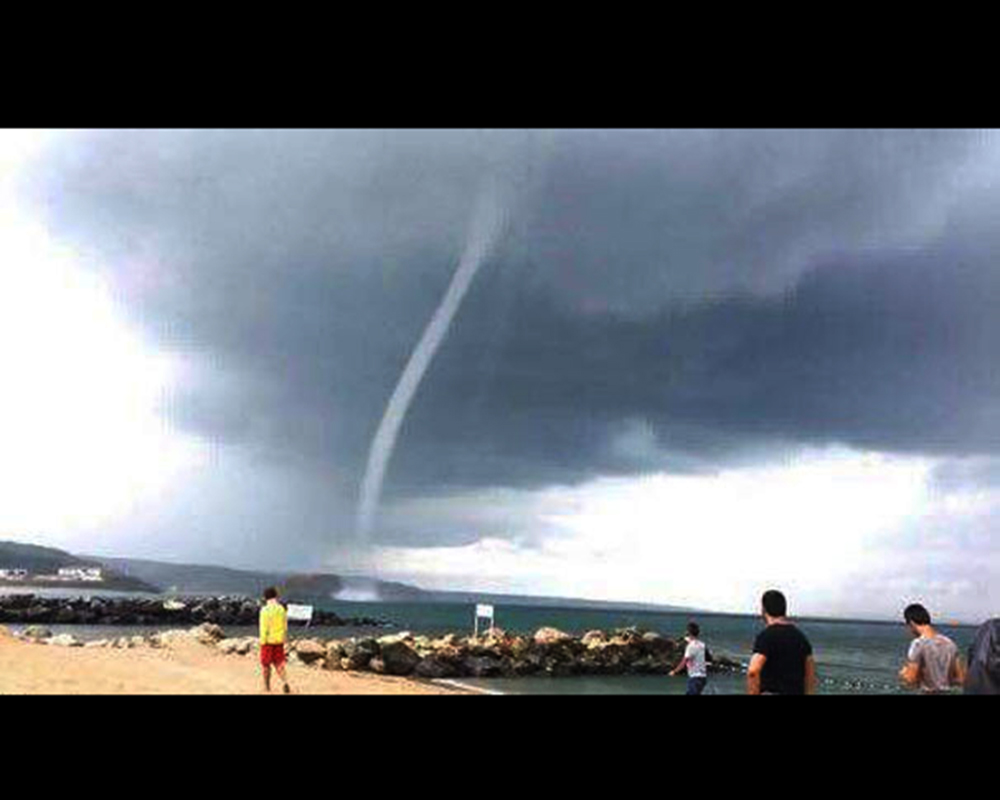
<point>693,661</point>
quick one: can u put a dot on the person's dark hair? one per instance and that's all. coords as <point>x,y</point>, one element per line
<point>916,614</point>
<point>270,592</point>
<point>693,629</point>
<point>774,603</point>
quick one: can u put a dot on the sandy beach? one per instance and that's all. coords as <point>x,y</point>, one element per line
<point>185,667</point>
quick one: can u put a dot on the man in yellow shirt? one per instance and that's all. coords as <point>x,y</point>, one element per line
<point>273,630</point>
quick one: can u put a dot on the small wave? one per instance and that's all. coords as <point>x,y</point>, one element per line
<point>460,685</point>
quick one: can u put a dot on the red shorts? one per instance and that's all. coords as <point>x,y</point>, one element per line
<point>272,654</point>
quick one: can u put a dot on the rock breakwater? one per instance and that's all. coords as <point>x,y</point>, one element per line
<point>28,609</point>
<point>548,652</point>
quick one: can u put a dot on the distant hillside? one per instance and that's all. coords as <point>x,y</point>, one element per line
<point>48,560</point>
<point>371,590</point>
<point>39,559</point>
<point>207,579</point>
<point>193,578</point>
<point>544,602</point>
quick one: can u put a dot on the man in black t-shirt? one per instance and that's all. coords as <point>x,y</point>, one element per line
<point>782,661</point>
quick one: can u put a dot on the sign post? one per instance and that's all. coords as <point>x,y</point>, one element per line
<point>483,612</point>
<point>300,613</point>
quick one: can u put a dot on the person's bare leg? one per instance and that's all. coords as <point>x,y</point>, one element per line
<point>280,669</point>
<point>267,676</point>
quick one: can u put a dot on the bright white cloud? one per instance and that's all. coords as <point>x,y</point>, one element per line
<point>712,541</point>
<point>81,437</point>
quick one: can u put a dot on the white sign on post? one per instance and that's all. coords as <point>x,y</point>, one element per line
<point>300,613</point>
<point>483,612</point>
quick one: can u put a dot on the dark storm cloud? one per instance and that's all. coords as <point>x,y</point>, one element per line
<point>663,300</point>
<point>895,354</point>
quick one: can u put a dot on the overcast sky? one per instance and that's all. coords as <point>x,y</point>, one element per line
<point>694,364</point>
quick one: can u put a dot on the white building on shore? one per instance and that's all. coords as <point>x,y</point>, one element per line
<point>80,574</point>
<point>13,574</point>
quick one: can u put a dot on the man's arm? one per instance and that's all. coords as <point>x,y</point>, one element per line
<point>910,673</point>
<point>753,673</point>
<point>810,675</point>
<point>958,671</point>
<point>683,665</point>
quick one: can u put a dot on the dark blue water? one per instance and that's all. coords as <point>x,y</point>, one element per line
<point>852,657</point>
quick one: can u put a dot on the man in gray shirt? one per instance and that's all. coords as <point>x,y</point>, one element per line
<point>932,662</point>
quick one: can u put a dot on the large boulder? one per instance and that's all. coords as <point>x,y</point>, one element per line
<point>627,636</point>
<point>612,660</point>
<point>500,643</point>
<point>404,636</point>
<point>250,644</point>
<point>448,640</point>
<point>724,664</point>
<point>559,669</point>
<point>527,664</point>
<point>38,614</point>
<point>18,601</point>
<point>548,636</point>
<point>358,652</point>
<point>229,646</point>
<point>495,634</point>
<point>481,667</point>
<point>37,632</point>
<point>207,633</point>
<point>436,666</point>
<point>334,656</point>
<point>589,663</point>
<point>399,658</point>
<point>335,648</point>
<point>660,646</point>
<point>65,640</point>
<point>646,665</point>
<point>65,616</point>
<point>593,638</point>
<point>309,650</point>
